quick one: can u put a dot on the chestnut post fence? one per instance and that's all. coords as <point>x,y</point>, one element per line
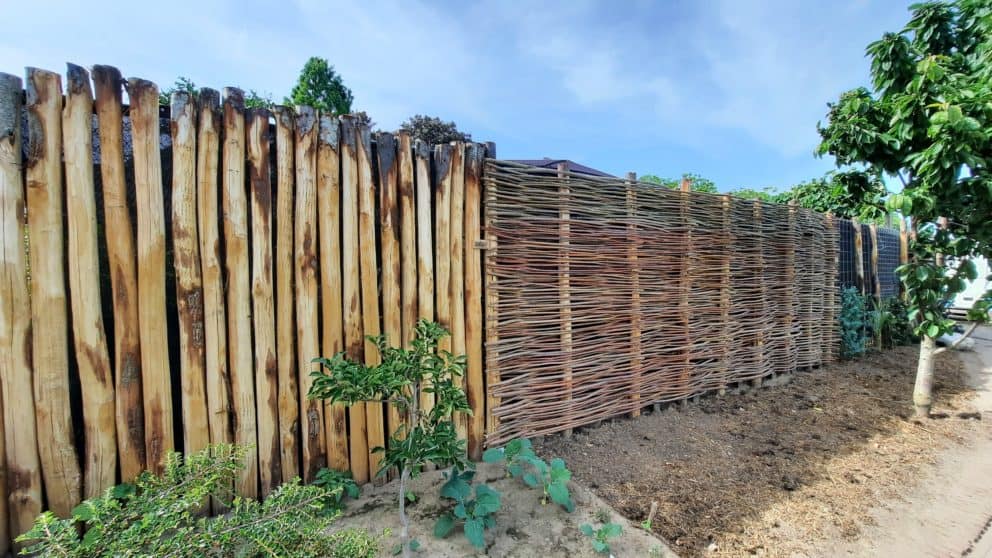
<point>169,273</point>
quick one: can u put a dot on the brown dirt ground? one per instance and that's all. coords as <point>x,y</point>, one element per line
<point>767,471</point>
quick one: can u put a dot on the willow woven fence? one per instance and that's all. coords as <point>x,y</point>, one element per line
<point>604,295</point>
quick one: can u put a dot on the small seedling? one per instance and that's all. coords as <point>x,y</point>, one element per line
<point>339,484</point>
<point>523,463</point>
<point>646,524</point>
<point>476,514</point>
<point>601,537</point>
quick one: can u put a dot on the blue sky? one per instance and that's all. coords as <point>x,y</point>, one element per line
<point>728,89</point>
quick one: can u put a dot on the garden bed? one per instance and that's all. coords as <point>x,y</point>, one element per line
<point>770,471</point>
<point>524,527</point>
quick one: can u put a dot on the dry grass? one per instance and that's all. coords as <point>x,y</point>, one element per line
<point>768,471</point>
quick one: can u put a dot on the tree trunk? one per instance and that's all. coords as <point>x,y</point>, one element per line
<point>404,523</point>
<point>922,392</point>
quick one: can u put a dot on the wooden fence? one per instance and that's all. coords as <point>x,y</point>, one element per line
<point>167,279</point>
<point>607,295</point>
<point>168,275</point>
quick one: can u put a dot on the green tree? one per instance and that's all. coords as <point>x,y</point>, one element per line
<point>433,130</point>
<point>699,183</point>
<point>182,83</point>
<point>320,87</point>
<point>927,119</point>
<point>852,194</point>
<point>766,194</point>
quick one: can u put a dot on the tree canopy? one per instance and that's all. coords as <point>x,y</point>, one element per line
<point>433,130</point>
<point>699,183</point>
<point>927,119</point>
<point>320,87</point>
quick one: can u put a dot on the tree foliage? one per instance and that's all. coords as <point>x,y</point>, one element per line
<point>699,183</point>
<point>253,99</point>
<point>927,119</point>
<point>433,130</point>
<point>320,87</point>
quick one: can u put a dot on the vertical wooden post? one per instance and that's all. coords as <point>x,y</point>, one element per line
<point>442,238</point>
<point>307,324</point>
<point>475,385</point>
<point>20,442</point>
<point>156,380</point>
<point>859,258</point>
<point>289,407</point>
<point>329,228</point>
<point>763,300</point>
<point>685,286</point>
<point>490,195</point>
<point>725,294</point>
<point>876,282</point>
<point>830,344</point>
<point>189,287</point>
<point>89,336</point>
<point>792,293</point>
<point>565,287</point>
<point>633,246</point>
<point>119,235</point>
<point>425,244</point>
<point>389,235</point>
<point>235,204</point>
<point>408,238</point>
<point>456,227</point>
<point>263,303</point>
<point>354,341</point>
<point>214,308</point>
<point>370,287</point>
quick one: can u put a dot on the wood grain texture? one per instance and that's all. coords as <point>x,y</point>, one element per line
<point>21,483</point>
<point>408,237</point>
<point>354,341</point>
<point>442,240</point>
<point>156,381</point>
<point>425,244</point>
<point>289,390</point>
<point>329,209</point>
<point>234,202</point>
<point>368,263</point>
<point>456,287</point>
<point>307,319</point>
<point>263,302</point>
<point>474,375</point>
<point>389,240</point>
<point>49,320</point>
<point>89,335</point>
<point>214,307</point>
<point>121,260</point>
<point>490,191</point>
<point>189,282</point>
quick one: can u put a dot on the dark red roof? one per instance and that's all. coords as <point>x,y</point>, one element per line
<point>572,166</point>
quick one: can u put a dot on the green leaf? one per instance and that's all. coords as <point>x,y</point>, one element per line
<point>493,455</point>
<point>612,530</point>
<point>444,525</point>
<point>84,511</point>
<point>600,547</point>
<point>414,545</point>
<point>558,491</point>
<point>460,511</point>
<point>530,480</point>
<point>933,330</point>
<point>922,273</point>
<point>474,532</point>
<point>586,529</point>
<point>487,500</point>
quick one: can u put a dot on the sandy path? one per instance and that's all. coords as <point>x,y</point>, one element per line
<point>949,514</point>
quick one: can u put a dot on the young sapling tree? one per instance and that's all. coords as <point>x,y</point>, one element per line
<point>425,436</point>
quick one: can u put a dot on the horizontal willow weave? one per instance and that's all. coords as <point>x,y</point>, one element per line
<point>605,296</point>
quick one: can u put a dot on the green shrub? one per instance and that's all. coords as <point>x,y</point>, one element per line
<point>855,323</point>
<point>475,514</point>
<point>523,463</point>
<point>601,537</point>
<point>160,516</point>
<point>892,324</point>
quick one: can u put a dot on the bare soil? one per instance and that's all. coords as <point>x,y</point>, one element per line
<point>771,471</point>
<point>525,528</point>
